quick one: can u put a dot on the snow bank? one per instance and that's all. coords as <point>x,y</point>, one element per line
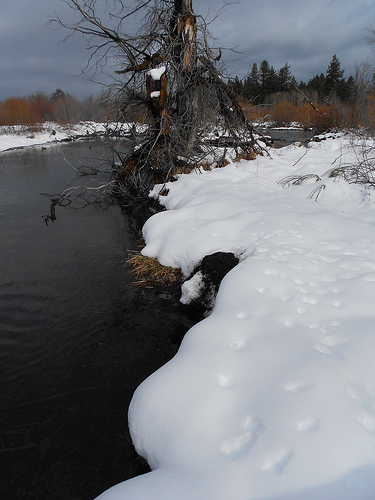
<point>13,137</point>
<point>273,395</point>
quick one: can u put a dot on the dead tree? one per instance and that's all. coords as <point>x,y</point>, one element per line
<point>169,70</point>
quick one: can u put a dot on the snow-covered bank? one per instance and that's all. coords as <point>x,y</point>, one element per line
<point>273,395</point>
<point>19,136</point>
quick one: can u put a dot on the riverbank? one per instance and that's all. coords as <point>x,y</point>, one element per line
<point>20,136</point>
<point>272,395</point>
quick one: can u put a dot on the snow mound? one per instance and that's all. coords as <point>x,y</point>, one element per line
<point>273,395</point>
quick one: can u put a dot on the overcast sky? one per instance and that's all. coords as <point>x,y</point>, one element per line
<point>304,33</point>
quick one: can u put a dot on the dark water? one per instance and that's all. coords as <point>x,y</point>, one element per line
<point>76,339</point>
<point>283,137</point>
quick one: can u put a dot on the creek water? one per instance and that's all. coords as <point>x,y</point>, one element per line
<point>281,137</point>
<point>76,338</point>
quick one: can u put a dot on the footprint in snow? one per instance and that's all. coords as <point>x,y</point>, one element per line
<point>296,387</point>
<point>333,340</point>
<point>289,323</point>
<point>368,421</point>
<point>277,460</point>
<point>242,315</point>
<point>307,426</point>
<point>328,351</point>
<point>310,300</point>
<point>240,345</point>
<point>225,382</point>
<point>237,447</point>
<point>362,400</point>
<point>253,424</point>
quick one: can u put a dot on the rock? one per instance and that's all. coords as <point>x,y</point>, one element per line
<point>200,289</point>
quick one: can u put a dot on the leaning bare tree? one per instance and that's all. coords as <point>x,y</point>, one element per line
<point>167,70</point>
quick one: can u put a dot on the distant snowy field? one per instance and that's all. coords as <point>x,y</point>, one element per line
<point>19,136</point>
<point>273,395</point>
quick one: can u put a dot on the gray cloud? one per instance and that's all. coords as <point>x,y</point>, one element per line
<point>303,33</point>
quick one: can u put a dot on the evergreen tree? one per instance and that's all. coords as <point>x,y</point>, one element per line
<point>236,86</point>
<point>318,84</point>
<point>272,82</point>
<point>251,85</point>
<point>334,78</point>
<point>264,71</point>
<point>285,78</point>
<point>268,80</point>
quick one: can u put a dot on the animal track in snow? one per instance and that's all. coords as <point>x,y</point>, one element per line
<point>239,345</point>
<point>242,315</point>
<point>290,323</point>
<point>253,424</point>
<point>368,421</point>
<point>328,351</point>
<point>308,425</point>
<point>333,340</point>
<point>225,382</point>
<point>285,298</point>
<point>362,400</point>
<point>335,323</point>
<point>310,300</point>
<point>296,387</point>
<point>236,448</point>
<point>277,460</point>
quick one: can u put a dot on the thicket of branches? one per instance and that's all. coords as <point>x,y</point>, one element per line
<point>166,69</point>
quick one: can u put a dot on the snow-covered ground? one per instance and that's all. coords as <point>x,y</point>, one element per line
<point>273,395</point>
<point>19,136</point>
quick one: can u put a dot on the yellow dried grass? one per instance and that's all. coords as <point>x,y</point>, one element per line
<point>150,272</point>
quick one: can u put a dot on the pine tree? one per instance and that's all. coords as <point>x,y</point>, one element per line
<point>285,78</point>
<point>251,85</point>
<point>334,78</point>
<point>317,83</point>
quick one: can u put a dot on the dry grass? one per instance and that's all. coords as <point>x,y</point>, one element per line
<point>150,273</point>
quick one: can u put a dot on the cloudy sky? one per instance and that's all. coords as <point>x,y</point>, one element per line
<point>304,33</point>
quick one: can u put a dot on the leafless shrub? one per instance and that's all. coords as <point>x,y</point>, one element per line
<point>176,104</point>
<point>315,193</point>
<point>297,180</point>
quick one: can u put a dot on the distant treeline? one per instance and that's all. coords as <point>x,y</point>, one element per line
<point>58,107</point>
<point>264,83</point>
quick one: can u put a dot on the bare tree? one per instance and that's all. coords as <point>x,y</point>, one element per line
<point>169,72</point>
